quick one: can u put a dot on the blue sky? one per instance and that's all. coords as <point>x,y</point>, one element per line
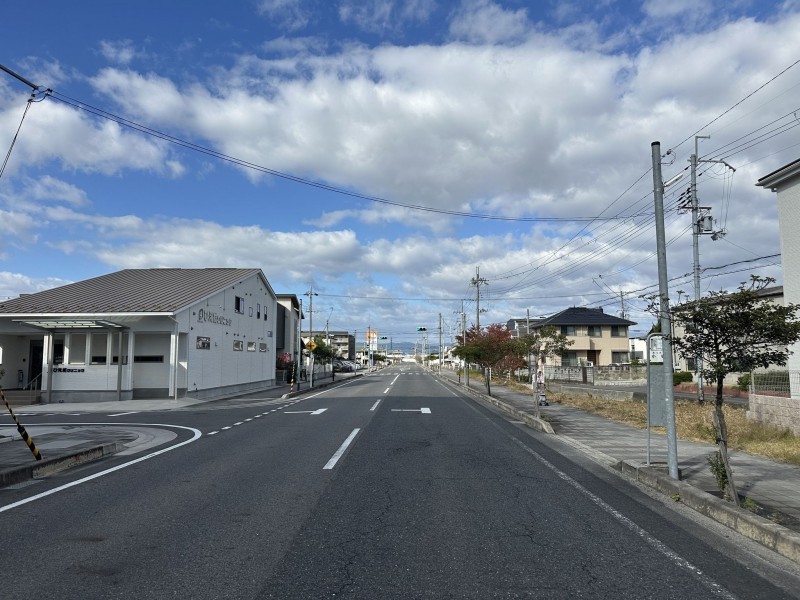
<point>423,140</point>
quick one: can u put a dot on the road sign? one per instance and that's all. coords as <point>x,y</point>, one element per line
<point>310,345</point>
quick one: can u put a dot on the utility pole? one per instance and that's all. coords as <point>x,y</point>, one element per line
<point>441,348</point>
<point>477,281</point>
<point>311,293</point>
<point>527,333</point>
<point>663,292</point>
<point>697,230</point>
<point>698,360</point>
<point>299,345</point>
<point>464,341</point>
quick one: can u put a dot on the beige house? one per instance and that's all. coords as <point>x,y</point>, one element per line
<point>598,338</point>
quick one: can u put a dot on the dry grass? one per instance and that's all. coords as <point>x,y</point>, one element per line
<point>694,422</point>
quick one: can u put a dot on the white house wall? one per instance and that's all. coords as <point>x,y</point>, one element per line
<point>789,219</point>
<point>216,364</point>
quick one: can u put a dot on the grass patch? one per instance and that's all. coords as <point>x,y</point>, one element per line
<point>694,422</point>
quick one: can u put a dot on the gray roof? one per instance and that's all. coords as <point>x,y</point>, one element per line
<point>130,291</point>
<point>579,315</point>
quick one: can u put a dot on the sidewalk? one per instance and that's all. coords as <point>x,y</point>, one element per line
<point>773,486</point>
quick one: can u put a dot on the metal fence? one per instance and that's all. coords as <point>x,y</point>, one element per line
<point>771,383</point>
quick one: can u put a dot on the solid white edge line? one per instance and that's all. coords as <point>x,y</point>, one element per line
<point>374,406</point>
<point>195,437</point>
<point>338,454</point>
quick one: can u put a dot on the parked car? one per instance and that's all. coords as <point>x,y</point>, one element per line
<point>340,366</point>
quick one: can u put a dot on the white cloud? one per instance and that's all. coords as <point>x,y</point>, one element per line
<point>291,14</point>
<point>50,189</point>
<point>118,51</point>
<point>14,284</point>
<point>486,22</point>
<point>381,16</point>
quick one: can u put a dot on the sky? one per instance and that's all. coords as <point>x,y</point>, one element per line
<point>395,164</point>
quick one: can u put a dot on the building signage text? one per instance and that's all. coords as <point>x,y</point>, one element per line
<point>206,316</point>
<point>67,370</point>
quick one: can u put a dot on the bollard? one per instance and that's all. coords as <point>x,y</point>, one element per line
<point>21,429</point>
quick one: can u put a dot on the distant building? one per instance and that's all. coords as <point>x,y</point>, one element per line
<point>143,333</point>
<point>342,342</point>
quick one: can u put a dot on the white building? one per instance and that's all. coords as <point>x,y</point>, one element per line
<point>142,333</point>
<point>786,182</point>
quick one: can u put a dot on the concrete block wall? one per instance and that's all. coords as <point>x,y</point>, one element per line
<point>775,410</point>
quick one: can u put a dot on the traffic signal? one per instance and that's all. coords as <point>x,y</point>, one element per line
<point>422,329</point>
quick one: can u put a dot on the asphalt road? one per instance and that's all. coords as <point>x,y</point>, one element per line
<point>399,488</point>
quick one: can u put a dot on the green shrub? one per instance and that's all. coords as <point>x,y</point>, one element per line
<point>718,469</point>
<point>743,382</point>
<point>681,377</point>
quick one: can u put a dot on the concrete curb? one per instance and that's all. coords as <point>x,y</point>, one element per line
<point>321,386</point>
<point>49,466</point>
<point>780,539</point>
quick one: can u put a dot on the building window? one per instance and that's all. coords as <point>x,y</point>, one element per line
<point>595,331</point>
<point>99,348</point>
<point>58,349</point>
<point>262,347</point>
<point>619,357</point>
<point>251,346</point>
<point>619,331</point>
<point>569,359</point>
<point>238,345</point>
<point>569,330</point>
<point>238,304</point>
<point>148,358</point>
<point>77,348</point>
<point>203,343</point>
<point>258,310</point>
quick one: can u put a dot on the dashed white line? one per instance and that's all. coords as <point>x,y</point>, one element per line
<point>338,454</point>
<point>386,390</point>
<point>125,413</point>
<point>213,432</point>
<point>374,406</point>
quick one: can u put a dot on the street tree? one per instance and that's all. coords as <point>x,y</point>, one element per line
<point>488,347</point>
<point>735,332</point>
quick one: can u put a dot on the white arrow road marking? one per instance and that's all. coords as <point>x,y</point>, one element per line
<point>424,411</point>
<point>319,411</point>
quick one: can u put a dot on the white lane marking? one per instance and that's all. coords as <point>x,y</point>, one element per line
<point>237,424</point>
<point>386,390</point>
<point>133,412</point>
<point>248,420</point>
<point>212,433</point>
<point>338,454</point>
<point>226,428</point>
<point>319,411</point>
<point>374,406</point>
<point>195,437</point>
<point>258,416</point>
<point>657,544</point>
<point>395,379</point>
<point>424,411</point>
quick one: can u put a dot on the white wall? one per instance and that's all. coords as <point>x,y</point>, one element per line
<point>217,319</point>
